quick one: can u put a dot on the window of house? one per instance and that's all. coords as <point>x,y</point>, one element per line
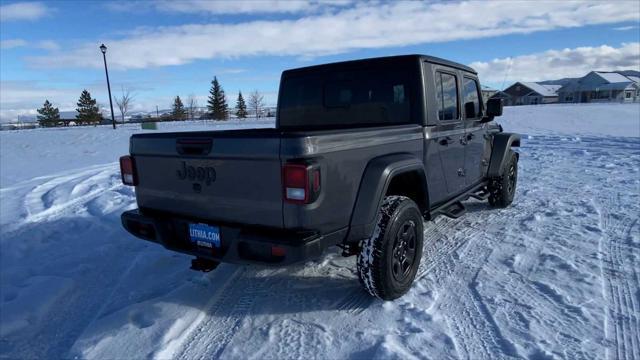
<point>447,96</point>
<point>628,94</point>
<point>470,87</point>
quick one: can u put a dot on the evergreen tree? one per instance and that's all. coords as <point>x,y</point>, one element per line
<point>217,102</point>
<point>178,112</point>
<point>87,109</point>
<point>241,107</point>
<point>49,115</point>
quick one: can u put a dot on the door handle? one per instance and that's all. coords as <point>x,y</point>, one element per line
<point>446,141</point>
<point>465,139</point>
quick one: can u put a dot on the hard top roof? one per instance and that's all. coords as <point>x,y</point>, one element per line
<point>388,59</point>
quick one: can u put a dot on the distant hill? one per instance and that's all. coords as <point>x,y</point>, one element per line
<point>629,72</point>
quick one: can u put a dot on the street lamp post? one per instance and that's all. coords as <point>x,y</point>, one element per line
<point>104,57</point>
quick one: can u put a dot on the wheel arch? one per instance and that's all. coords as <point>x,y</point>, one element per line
<point>502,143</point>
<point>403,174</point>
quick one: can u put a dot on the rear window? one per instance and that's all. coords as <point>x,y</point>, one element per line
<point>345,98</point>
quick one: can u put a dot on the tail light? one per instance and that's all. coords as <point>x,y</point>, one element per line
<point>301,183</point>
<point>128,171</point>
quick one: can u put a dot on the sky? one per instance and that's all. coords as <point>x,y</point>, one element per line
<point>160,49</point>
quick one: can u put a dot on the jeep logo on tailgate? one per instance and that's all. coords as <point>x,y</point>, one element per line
<point>197,173</point>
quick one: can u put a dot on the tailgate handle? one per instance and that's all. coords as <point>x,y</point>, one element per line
<point>193,146</point>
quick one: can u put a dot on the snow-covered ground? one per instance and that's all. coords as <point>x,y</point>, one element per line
<point>553,276</point>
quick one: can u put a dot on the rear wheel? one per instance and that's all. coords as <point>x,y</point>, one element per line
<point>503,188</point>
<point>388,261</point>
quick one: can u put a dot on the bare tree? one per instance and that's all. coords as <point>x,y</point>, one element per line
<point>192,106</point>
<point>256,102</point>
<point>124,102</point>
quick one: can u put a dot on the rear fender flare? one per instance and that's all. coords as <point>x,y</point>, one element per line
<point>502,143</point>
<point>374,184</point>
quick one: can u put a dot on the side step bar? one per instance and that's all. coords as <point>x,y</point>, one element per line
<point>454,207</point>
<point>482,194</point>
<point>454,210</point>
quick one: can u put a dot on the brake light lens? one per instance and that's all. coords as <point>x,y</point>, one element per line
<point>301,183</point>
<point>296,183</point>
<point>128,171</point>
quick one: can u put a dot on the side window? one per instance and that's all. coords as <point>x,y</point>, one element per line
<point>470,95</point>
<point>447,96</point>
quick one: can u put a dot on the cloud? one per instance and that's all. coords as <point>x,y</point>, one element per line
<point>24,97</point>
<point>12,43</point>
<point>23,11</point>
<point>48,45</point>
<point>625,28</point>
<point>208,7</point>
<point>363,26</point>
<point>17,43</point>
<point>236,7</point>
<point>555,64</point>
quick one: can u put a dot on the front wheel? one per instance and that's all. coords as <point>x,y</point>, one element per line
<point>388,261</point>
<point>503,188</point>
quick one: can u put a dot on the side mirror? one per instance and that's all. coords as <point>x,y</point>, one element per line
<point>470,110</point>
<point>494,108</point>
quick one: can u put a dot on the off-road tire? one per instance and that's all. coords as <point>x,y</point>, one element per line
<point>503,188</point>
<point>382,269</point>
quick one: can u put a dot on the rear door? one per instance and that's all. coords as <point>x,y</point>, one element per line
<point>450,130</point>
<point>230,176</point>
<point>475,164</point>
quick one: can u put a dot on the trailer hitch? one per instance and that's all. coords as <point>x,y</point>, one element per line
<point>204,265</point>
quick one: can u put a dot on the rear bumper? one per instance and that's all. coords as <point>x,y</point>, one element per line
<point>238,245</point>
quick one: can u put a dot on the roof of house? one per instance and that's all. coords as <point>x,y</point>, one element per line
<point>618,86</point>
<point>544,90</point>
<point>613,77</point>
<point>635,79</point>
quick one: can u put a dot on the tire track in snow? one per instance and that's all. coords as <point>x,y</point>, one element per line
<point>523,299</point>
<point>225,314</point>
<point>64,194</point>
<point>620,289</point>
<point>46,199</point>
<point>451,265</point>
<point>475,333</point>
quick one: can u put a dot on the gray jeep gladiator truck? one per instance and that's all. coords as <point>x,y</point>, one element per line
<point>362,152</point>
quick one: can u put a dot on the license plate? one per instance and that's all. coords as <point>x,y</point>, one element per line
<point>204,235</point>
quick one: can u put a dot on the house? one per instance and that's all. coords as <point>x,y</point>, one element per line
<point>529,93</point>
<point>601,86</point>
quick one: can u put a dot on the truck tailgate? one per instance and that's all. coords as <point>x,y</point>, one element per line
<point>227,176</point>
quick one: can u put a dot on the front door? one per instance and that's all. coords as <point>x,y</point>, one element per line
<point>450,132</point>
<point>475,163</point>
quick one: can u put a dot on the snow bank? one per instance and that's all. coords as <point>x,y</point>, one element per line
<point>573,119</point>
